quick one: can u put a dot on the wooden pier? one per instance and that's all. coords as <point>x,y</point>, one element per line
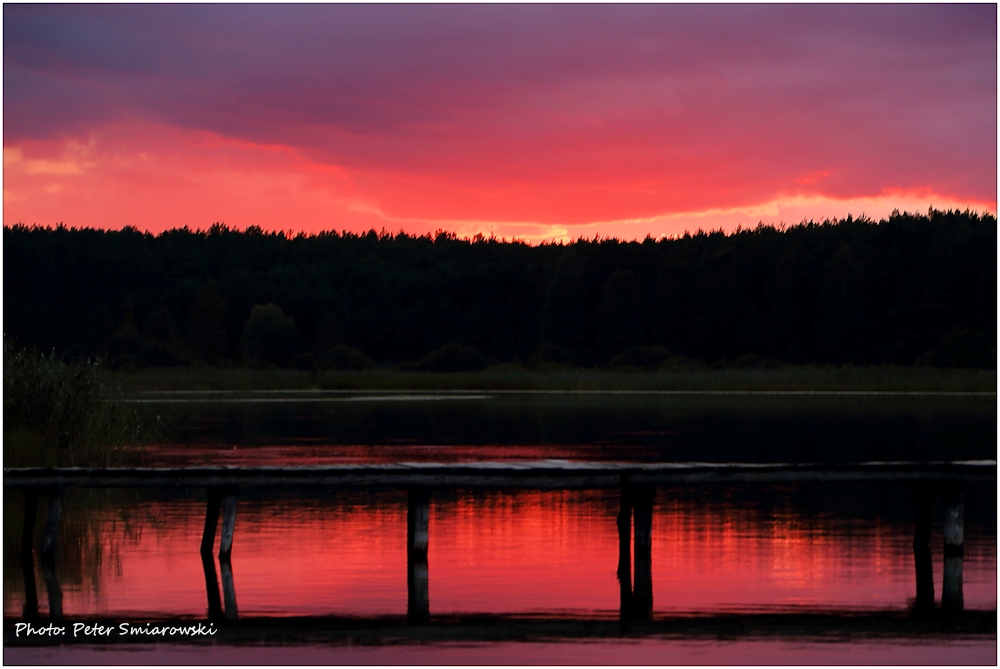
<point>637,483</point>
<point>538,475</point>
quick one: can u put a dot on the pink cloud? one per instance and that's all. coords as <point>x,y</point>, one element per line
<point>551,117</point>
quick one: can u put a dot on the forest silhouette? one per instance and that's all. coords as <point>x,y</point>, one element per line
<point>907,290</point>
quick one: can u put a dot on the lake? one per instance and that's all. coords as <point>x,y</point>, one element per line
<point>752,573</point>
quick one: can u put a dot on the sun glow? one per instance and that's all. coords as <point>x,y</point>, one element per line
<point>156,178</point>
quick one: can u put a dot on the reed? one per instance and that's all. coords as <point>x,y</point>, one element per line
<point>60,414</point>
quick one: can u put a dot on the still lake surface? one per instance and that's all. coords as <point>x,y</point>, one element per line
<point>761,569</point>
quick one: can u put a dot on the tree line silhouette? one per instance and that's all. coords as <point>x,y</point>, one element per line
<point>910,289</point>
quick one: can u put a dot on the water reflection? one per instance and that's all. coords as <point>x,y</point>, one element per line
<point>954,551</point>
<point>440,565</point>
<point>30,610</point>
<point>553,553</point>
<point>637,601</point>
<point>53,588</point>
<point>317,428</point>
<point>922,561</point>
<point>212,587</point>
<point>417,541</point>
<point>228,588</point>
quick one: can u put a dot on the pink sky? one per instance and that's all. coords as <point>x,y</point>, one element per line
<point>530,121</point>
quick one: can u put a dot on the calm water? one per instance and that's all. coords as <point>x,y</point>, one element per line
<point>773,556</point>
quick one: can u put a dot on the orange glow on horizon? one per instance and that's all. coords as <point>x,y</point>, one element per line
<point>157,178</point>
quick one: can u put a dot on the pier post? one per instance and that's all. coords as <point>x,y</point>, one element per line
<point>954,551</point>
<point>624,521</point>
<point>211,586</point>
<point>228,526</point>
<point>417,539</point>
<point>922,562</point>
<point>228,589</point>
<point>642,597</point>
<point>211,520</point>
<point>52,525</point>
<point>28,529</point>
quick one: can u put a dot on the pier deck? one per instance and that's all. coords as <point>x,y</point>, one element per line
<point>543,474</point>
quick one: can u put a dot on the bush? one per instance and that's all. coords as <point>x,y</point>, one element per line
<point>546,354</point>
<point>270,335</point>
<point>343,357</point>
<point>682,363</point>
<point>645,357</point>
<point>156,353</point>
<point>303,361</point>
<point>453,358</point>
<point>58,414</point>
<point>752,361</point>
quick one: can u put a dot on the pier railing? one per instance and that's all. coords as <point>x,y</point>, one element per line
<point>637,483</point>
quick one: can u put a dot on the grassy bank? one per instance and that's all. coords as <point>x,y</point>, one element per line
<point>508,377</point>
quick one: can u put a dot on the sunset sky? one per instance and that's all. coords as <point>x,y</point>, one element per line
<point>541,122</point>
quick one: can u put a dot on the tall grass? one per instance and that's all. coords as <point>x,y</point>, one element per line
<point>59,414</point>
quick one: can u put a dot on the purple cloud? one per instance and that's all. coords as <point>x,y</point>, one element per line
<point>737,100</point>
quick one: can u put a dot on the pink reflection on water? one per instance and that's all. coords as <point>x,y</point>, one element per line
<point>315,453</point>
<point>499,552</point>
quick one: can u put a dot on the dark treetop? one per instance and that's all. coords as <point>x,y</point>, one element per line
<point>913,289</point>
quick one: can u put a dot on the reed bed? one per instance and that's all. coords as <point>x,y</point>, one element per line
<point>64,414</point>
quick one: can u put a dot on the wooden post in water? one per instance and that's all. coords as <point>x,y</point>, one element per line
<point>28,529</point>
<point>52,586</point>
<point>52,526</point>
<point>27,554</point>
<point>922,550</point>
<point>954,551</point>
<point>642,597</point>
<point>625,550</point>
<point>417,538</point>
<point>228,589</point>
<point>228,526</point>
<point>211,520</point>
<point>211,586</point>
